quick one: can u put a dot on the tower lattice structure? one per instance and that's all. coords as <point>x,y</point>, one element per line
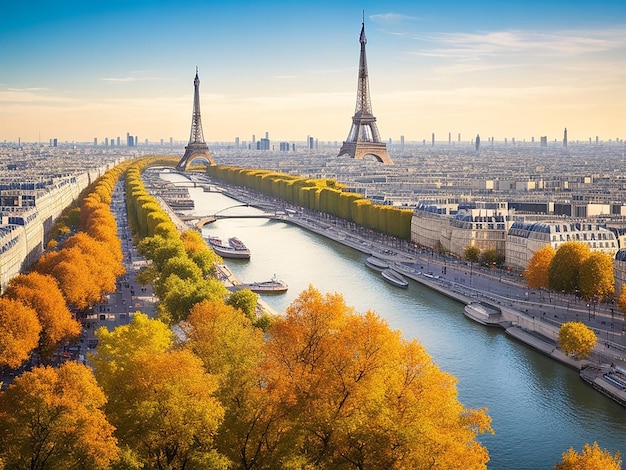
<point>364,138</point>
<point>197,147</point>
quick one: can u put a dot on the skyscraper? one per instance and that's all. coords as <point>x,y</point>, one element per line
<point>565,137</point>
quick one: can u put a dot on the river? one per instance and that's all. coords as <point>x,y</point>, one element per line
<point>539,407</point>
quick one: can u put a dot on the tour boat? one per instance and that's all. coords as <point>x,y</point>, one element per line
<point>235,248</point>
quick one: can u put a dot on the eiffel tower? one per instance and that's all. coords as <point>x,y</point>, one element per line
<point>197,147</point>
<point>364,138</point>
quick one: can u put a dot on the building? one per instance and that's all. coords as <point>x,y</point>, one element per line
<point>455,225</point>
<point>524,239</point>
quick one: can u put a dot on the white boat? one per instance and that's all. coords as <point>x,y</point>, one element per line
<point>273,286</point>
<point>376,264</point>
<point>395,278</point>
<point>235,248</point>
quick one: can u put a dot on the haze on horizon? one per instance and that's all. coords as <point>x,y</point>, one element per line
<point>76,70</point>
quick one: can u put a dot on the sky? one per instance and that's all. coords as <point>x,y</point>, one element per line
<point>79,69</point>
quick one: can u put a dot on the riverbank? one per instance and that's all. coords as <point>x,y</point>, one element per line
<point>524,320</point>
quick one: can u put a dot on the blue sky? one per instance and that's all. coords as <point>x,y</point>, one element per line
<point>76,70</point>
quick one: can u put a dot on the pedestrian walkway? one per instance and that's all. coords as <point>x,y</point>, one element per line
<point>129,297</point>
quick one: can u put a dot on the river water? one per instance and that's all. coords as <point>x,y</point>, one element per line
<point>539,407</point>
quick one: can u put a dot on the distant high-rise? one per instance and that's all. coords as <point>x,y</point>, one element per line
<point>565,137</point>
<point>95,141</point>
<point>449,138</point>
<point>197,147</point>
<point>433,140</point>
<point>236,142</point>
<point>544,141</point>
<point>364,138</point>
<point>477,142</point>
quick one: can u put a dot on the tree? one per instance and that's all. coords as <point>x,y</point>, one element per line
<point>54,420</point>
<point>244,300</point>
<point>41,293</point>
<point>19,332</point>
<point>232,349</point>
<point>576,339</point>
<point>160,399</point>
<point>564,271</point>
<point>596,276</point>
<point>592,458</point>
<point>178,296</point>
<point>471,254</point>
<point>355,394</point>
<point>536,274</point>
<point>622,300</point>
<point>490,257</point>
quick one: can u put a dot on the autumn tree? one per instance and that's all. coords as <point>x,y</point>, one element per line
<point>197,249</point>
<point>19,332</point>
<point>232,349</point>
<point>596,276</point>
<point>72,271</point>
<point>564,270</point>
<point>576,339</point>
<point>53,418</point>
<point>356,395</point>
<point>160,399</point>
<point>41,293</point>
<point>536,274</point>
<point>592,458</point>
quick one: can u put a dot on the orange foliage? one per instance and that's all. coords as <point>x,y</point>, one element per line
<point>41,293</point>
<point>19,332</point>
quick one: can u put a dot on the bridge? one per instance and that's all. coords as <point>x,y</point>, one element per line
<point>207,219</point>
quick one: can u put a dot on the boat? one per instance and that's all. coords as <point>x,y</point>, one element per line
<point>395,278</point>
<point>483,313</point>
<point>273,286</point>
<point>376,264</point>
<point>235,248</point>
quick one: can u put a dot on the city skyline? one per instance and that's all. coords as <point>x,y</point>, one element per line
<point>79,70</point>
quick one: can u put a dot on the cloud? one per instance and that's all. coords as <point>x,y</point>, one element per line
<point>127,79</point>
<point>285,77</point>
<point>391,18</point>
<point>519,42</point>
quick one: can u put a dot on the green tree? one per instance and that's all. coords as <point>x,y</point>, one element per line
<point>592,458</point>
<point>576,339</point>
<point>536,274</point>
<point>471,254</point>
<point>54,420</point>
<point>244,300</point>
<point>564,271</point>
<point>596,276</point>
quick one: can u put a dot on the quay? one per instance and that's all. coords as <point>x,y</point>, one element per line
<point>526,319</point>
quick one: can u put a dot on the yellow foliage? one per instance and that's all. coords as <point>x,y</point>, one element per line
<point>592,458</point>
<point>576,339</point>
<point>536,274</point>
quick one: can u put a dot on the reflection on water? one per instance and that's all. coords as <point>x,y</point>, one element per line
<point>539,407</point>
